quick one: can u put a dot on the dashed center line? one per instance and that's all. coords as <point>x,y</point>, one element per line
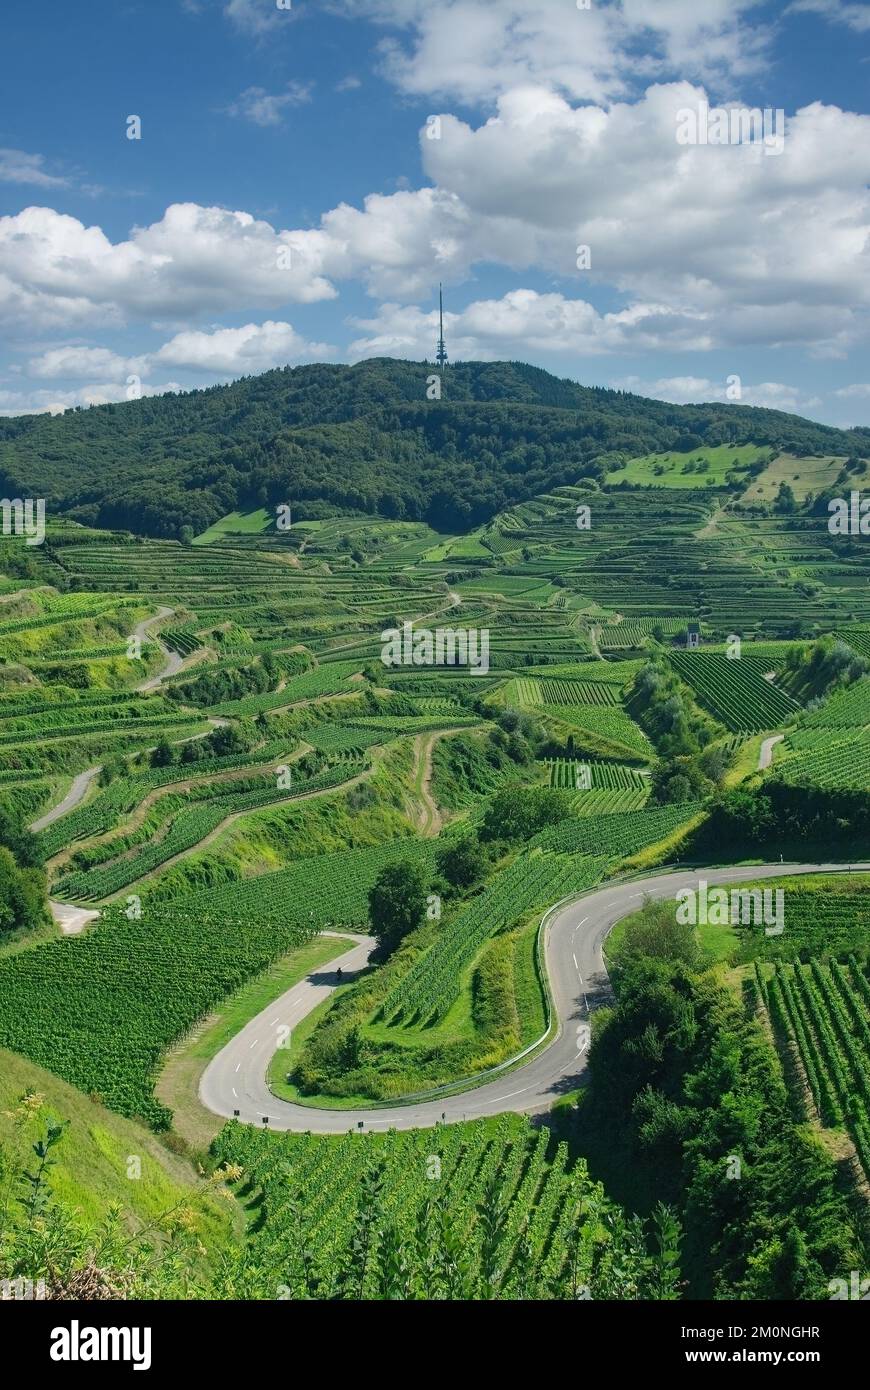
<point>516,1093</point>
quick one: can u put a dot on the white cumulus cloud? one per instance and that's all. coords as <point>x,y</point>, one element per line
<point>474,50</point>
<point>522,321</point>
<point>194,260</point>
<point>239,351</point>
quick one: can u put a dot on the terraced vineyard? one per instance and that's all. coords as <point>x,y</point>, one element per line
<point>338,884</point>
<point>858,638</point>
<point>560,692</point>
<point>65,723</point>
<point>326,680</point>
<point>183,640</point>
<point>815,758</point>
<point>189,828</point>
<point>225,868</point>
<point>735,691</point>
<point>620,834</point>
<point>573,775</point>
<point>106,809</point>
<point>848,708</point>
<point>623,635</point>
<point>606,803</point>
<point>611,727</point>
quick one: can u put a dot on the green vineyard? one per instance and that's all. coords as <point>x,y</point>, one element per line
<point>823,1010</point>
<point>616,835</point>
<point>575,775</point>
<point>467,1211</point>
<point>92,1013</point>
<point>848,708</point>
<point>735,691</point>
<point>533,880</point>
<point>565,692</point>
<point>106,809</point>
<point>841,763</point>
<point>337,883</point>
<point>191,826</point>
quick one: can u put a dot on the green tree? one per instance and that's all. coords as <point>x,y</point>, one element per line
<point>163,754</point>
<point>785,502</point>
<point>397,903</point>
<point>16,837</point>
<point>655,932</point>
<point>462,863</point>
<point>225,740</point>
<point>22,894</point>
<point>516,813</point>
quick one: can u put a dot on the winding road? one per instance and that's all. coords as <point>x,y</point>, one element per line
<point>174,661</point>
<point>70,919</point>
<point>82,780</point>
<point>234,1082</point>
<point>76,793</point>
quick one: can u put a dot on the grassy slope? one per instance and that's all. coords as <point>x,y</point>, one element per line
<point>91,1171</point>
<point>266,840</point>
<point>802,475</point>
<point>237,524</point>
<point>721,459</point>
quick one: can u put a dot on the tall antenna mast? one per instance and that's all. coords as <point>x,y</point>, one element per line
<point>441,354</point>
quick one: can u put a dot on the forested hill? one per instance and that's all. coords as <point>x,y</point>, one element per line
<point>365,437</point>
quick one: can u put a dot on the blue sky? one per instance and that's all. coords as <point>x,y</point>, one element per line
<point>287,203</point>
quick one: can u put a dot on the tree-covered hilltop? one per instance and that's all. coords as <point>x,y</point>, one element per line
<point>363,438</point>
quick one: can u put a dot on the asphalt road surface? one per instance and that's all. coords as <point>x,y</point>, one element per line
<point>235,1079</point>
<point>765,756</point>
<point>174,661</point>
<point>83,780</point>
<point>80,784</point>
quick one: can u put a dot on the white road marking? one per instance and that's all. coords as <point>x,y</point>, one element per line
<point>516,1093</point>
<point>235,1093</point>
<point>238,1066</point>
<point>254,1043</point>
